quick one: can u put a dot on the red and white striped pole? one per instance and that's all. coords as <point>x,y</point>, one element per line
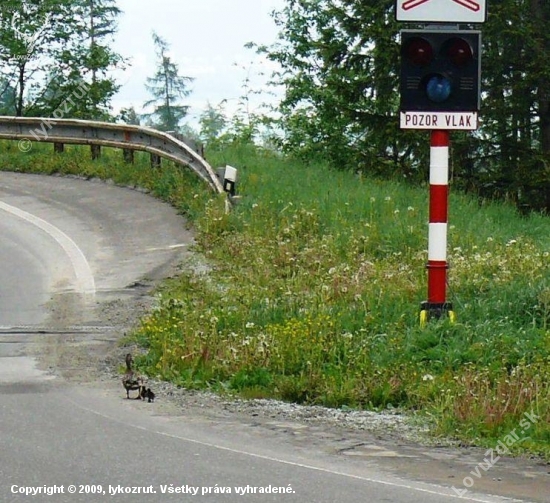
<point>437,304</point>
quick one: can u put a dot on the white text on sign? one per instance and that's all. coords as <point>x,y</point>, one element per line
<point>439,120</point>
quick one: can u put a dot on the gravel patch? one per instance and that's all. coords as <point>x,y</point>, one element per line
<point>393,423</point>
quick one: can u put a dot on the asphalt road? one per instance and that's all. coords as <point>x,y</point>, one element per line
<point>69,248</point>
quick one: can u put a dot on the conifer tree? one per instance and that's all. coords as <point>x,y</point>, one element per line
<point>167,87</point>
<point>85,58</point>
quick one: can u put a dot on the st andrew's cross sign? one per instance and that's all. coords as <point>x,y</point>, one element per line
<point>442,11</point>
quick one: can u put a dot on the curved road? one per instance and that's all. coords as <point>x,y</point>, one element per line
<point>74,254</point>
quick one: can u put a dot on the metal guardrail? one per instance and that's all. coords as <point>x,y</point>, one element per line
<point>124,136</point>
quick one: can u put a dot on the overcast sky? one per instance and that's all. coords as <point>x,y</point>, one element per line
<point>206,40</point>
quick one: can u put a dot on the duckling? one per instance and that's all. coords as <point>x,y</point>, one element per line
<point>147,393</point>
<point>131,381</point>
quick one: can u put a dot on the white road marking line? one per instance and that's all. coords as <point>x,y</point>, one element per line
<point>165,248</point>
<point>85,282</point>
<point>443,491</point>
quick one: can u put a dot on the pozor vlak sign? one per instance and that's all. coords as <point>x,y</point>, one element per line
<point>442,11</point>
<point>465,121</point>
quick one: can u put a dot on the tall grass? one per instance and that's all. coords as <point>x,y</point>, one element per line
<point>314,293</point>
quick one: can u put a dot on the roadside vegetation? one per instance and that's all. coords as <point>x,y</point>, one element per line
<point>313,289</point>
<point>313,282</point>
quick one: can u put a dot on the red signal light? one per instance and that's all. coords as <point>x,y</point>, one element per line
<point>419,51</point>
<point>459,51</point>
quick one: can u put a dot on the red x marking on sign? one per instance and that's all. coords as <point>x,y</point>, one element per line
<point>469,4</point>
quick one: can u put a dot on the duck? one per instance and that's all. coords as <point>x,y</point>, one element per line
<point>131,381</point>
<point>147,393</point>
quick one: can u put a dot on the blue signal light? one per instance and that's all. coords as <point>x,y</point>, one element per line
<point>438,88</point>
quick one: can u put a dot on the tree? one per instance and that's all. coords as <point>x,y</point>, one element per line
<point>72,33</point>
<point>7,97</point>
<point>339,64</point>
<point>213,124</point>
<point>27,32</point>
<point>95,58</point>
<point>514,150</point>
<point>85,57</point>
<point>129,116</point>
<point>167,87</point>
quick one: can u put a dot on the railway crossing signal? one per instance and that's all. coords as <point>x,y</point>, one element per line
<point>440,91</point>
<point>440,70</point>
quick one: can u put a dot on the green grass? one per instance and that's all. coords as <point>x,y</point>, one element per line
<point>314,293</point>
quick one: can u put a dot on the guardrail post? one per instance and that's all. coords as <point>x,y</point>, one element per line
<point>155,161</point>
<point>58,148</point>
<point>128,156</point>
<point>96,152</point>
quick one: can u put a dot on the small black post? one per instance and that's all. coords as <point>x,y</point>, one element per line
<point>155,161</point>
<point>128,156</point>
<point>96,152</point>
